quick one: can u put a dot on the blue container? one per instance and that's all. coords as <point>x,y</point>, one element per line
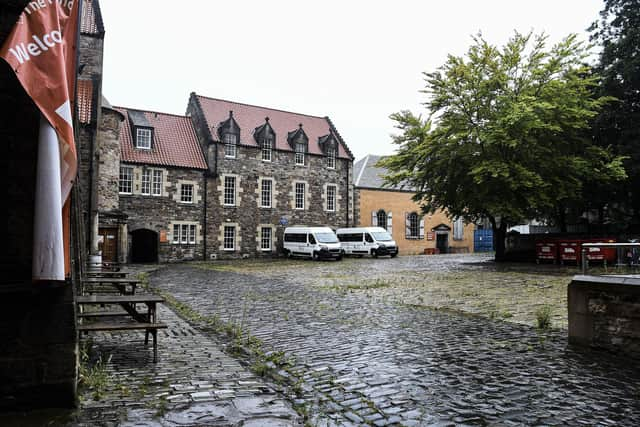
<point>483,241</point>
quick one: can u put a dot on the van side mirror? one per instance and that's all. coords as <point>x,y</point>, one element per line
<point>368,238</point>
<point>312,239</point>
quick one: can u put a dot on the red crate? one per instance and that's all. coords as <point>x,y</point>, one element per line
<point>569,250</point>
<point>546,250</point>
<point>601,254</point>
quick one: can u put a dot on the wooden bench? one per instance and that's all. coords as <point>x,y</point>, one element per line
<point>144,320</point>
<point>124,285</point>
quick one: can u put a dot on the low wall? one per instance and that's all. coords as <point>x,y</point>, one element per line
<point>604,311</point>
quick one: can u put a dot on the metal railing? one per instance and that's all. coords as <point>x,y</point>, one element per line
<point>621,257</point>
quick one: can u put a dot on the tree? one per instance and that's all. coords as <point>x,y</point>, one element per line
<point>507,137</point>
<point>618,124</point>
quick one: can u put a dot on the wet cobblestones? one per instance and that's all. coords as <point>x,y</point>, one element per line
<point>360,359</point>
<point>193,383</point>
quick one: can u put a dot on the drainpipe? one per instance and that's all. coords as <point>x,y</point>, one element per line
<point>348,193</point>
<point>204,218</point>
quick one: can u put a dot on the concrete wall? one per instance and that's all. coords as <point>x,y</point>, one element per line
<point>604,312</point>
<point>399,203</point>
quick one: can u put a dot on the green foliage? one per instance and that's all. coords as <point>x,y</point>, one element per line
<point>618,33</point>
<point>543,317</point>
<point>507,136</point>
<point>92,374</point>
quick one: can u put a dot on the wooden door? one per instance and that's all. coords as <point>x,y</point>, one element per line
<point>109,244</point>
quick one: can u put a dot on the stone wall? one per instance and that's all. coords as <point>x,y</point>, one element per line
<point>400,203</point>
<point>108,161</point>
<point>604,312</point>
<point>250,170</point>
<point>38,354</point>
<point>160,213</point>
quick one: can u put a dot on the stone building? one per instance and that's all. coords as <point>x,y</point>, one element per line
<point>159,189</point>
<point>392,208</point>
<point>266,169</point>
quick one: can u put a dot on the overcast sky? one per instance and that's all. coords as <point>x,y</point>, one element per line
<point>354,61</point>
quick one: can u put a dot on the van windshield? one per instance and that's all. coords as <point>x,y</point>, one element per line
<point>326,237</point>
<point>382,236</point>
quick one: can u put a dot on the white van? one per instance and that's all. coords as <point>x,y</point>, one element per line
<point>374,241</point>
<point>313,242</point>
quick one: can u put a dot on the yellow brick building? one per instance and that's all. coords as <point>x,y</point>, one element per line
<point>393,209</point>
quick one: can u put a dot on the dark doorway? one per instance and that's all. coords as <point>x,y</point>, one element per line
<point>109,244</point>
<point>144,246</point>
<point>442,242</point>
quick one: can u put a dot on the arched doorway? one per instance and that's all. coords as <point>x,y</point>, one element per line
<point>144,246</point>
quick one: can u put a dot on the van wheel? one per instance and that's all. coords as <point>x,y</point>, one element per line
<point>394,255</point>
<point>314,256</point>
<point>339,258</point>
<point>287,253</point>
<point>374,253</point>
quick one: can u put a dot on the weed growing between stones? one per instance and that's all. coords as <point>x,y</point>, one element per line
<point>92,376</point>
<point>543,317</point>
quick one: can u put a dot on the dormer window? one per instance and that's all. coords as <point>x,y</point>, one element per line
<point>301,149</point>
<point>329,146</point>
<point>141,129</point>
<point>265,137</point>
<point>267,147</point>
<point>143,138</point>
<point>230,145</point>
<point>299,142</point>
<point>331,157</point>
<point>229,133</point>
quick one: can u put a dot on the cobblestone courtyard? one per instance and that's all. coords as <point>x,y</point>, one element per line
<point>361,350</point>
<point>442,340</point>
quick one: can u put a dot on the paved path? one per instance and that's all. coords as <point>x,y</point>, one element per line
<point>193,383</point>
<point>363,360</point>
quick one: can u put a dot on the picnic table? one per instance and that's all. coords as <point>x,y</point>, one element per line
<point>99,273</point>
<point>142,320</point>
<point>123,285</point>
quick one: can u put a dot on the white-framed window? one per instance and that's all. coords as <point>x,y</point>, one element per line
<point>230,145</point>
<point>331,198</point>
<point>266,193</point>
<point>331,157</point>
<point>300,195</point>
<point>458,229</point>
<point>229,190</point>
<point>156,184</point>
<point>143,138</point>
<point>145,188</point>
<point>186,193</point>
<point>229,238</point>
<point>301,149</point>
<point>382,219</point>
<point>412,226</point>
<point>265,238</point>
<point>267,147</point>
<point>184,234</point>
<point>125,185</point>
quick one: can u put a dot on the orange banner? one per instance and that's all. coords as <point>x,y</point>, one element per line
<point>41,49</point>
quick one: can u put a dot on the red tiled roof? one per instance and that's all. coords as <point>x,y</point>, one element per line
<point>174,141</point>
<point>91,20</point>
<point>85,101</point>
<point>250,117</point>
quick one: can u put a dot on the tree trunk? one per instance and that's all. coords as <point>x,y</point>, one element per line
<point>499,237</point>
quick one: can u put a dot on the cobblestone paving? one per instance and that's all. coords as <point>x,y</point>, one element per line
<point>193,383</point>
<point>365,360</point>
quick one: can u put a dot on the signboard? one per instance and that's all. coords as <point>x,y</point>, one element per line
<point>163,236</point>
<point>431,235</point>
<point>284,221</point>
